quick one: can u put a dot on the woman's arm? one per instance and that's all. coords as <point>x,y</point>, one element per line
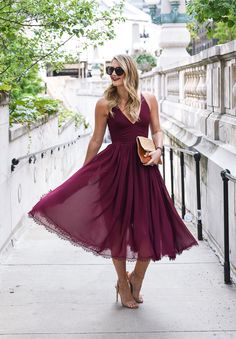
<point>101,114</point>
<point>157,134</point>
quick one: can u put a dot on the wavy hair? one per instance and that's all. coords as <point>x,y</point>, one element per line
<point>131,84</point>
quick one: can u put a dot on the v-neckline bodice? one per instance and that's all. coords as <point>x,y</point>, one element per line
<point>122,113</point>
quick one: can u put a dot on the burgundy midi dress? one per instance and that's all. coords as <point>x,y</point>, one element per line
<point>114,206</point>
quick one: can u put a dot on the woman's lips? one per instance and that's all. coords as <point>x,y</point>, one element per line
<point>115,79</point>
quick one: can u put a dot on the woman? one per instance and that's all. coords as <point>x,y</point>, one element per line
<point>114,205</point>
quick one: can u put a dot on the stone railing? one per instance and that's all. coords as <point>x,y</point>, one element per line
<point>205,84</point>
<point>197,104</point>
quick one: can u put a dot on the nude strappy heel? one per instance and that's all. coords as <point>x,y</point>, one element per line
<point>123,304</point>
<point>138,300</point>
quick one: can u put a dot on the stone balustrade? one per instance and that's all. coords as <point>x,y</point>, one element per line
<point>204,83</point>
<point>197,104</point>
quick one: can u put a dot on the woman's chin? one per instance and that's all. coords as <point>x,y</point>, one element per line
<point>117,83</point>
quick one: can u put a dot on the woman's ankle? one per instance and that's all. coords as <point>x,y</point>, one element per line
<point>122,281</point>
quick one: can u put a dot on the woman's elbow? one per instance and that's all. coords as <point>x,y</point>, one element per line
<point>95,143</point>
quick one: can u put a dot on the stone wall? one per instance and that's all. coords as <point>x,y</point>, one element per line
<point>22,188</point>
<point>80,95</point>
<point>197,100</point>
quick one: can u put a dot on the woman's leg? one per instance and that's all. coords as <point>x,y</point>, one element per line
<point>124,289</point>
<point>141,267</point>
<point>136,278</point>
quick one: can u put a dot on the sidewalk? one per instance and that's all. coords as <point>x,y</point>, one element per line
<point>52,290</point>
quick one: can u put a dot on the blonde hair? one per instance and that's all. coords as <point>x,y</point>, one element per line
<point>131,84</point>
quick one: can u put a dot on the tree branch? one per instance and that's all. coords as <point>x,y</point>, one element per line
<point>22,24</point>
<point>5,70</point>
<point>43,57</point>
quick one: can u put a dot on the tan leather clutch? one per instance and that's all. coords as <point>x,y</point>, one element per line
<point>145,145</point>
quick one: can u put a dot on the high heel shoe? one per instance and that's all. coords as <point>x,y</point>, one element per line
<point>124,304</point>
<point>139,299</point>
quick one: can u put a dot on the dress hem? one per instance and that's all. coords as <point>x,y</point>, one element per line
<point>53,228</point>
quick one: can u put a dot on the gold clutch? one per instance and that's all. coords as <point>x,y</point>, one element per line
<point>145,145</point>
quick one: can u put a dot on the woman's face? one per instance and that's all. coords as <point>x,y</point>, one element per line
<point>117,80</point>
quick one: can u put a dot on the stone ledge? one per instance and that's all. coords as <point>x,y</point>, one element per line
<point>212,54</point>
<point>17,130</point>
<point>176,130</point>
<point>65,125</point>
<point>228,49</point>
<point>223,155</point>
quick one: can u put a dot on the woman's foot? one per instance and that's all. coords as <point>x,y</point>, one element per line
<point>135,285</point>
<point>126,297</point>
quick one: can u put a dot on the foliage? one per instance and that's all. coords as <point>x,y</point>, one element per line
<point>193,28</point>
<point>218,11</point>
<point>224,33</point>
<point>29,109</point>
<point>35,32</point>
<point>66,115</point>
<point>4,87</point>
<point>145,61</point>
<point>30,85</point>
<point>219,17</point>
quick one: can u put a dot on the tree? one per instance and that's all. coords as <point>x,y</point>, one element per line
<point>35,32</point>
<point>220,16</point>
<point>224,33</point>
<point>216,10</point>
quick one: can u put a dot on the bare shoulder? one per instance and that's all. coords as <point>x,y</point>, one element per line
<point>150,98</point>
<point>102,106</point>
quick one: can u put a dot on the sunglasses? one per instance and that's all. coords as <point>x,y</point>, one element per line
<point>118,70</point>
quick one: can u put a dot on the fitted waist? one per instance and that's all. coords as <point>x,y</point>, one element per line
<point>126,139</point>
<point>133,142</point>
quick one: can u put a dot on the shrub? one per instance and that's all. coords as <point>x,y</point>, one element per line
<point>145,61</point>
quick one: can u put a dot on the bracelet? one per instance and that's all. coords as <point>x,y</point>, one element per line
<point>161,148</point>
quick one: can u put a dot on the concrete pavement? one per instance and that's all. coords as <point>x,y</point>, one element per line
<point>53,290</point>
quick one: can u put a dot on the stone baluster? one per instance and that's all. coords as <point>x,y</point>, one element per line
<point>195,87</point>
<point>195,83</point>
<point>233,76</point>
<point>173,86</point>
<point>187,87</point>
<point>234,95</point>
<point>201,88</point>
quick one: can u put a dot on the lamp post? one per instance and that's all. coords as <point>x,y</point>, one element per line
<point>143,38</point>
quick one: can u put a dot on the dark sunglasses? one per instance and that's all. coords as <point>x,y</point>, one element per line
<point>118,70</point>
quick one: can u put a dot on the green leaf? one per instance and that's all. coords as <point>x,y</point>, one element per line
<point>49,24</point>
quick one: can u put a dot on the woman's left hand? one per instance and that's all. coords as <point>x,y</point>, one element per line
<point>155,156</point>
